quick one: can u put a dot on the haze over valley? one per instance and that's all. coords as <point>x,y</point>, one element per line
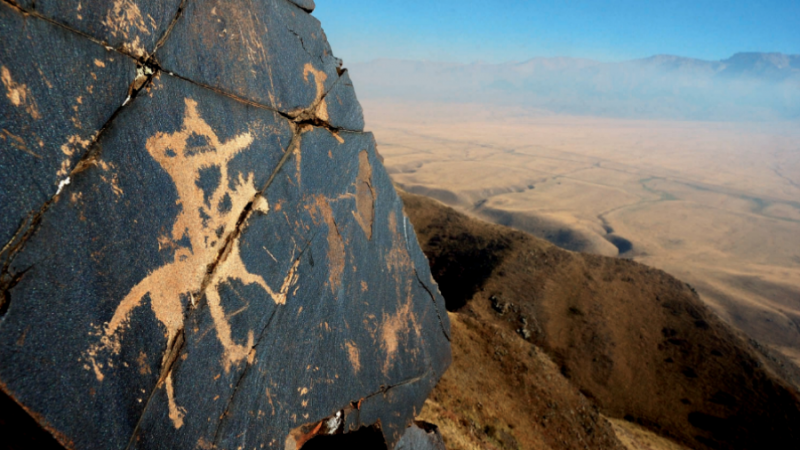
<point>747,86</point>
<point>591,157</point>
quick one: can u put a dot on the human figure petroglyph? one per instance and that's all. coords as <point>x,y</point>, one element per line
<point>207,222</point>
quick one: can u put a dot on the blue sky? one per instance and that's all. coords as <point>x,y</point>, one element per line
<point>515,30</point>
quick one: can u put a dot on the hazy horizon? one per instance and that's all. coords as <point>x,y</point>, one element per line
<point>760,87</point>
<point>557,57</point>
<point>709,61</point>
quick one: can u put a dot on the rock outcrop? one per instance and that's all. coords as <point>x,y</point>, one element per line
<point>200,245</point>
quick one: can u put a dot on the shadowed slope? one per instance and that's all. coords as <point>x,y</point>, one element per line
<point>637,341</point>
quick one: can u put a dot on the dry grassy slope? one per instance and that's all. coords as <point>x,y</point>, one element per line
<point>636,437</point>
<point>634,339</point>
<point>503,393</point>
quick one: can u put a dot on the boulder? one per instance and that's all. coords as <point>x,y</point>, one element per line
<point>200,245</point>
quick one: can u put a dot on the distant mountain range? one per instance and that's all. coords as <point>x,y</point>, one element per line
<point>746,86</point>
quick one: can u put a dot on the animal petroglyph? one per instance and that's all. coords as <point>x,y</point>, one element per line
<point>207,219</point>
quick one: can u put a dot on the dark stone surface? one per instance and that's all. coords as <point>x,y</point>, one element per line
<point>105,239</point>
<point>307,5</point>
<point>58,90</point>
<point>132,26</point>
<point>341,339</point>
<point>216,274</point>
<point>267,51</point>
<point>342,110</point>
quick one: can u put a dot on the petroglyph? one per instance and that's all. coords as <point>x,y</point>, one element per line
<point>396,325</point>
<point>207,225</point>
<point>365,195</point>
<point>319,79</point>
<point>110,176</point>
<point>318,107</point>
<point>74,146</point>
<point>353,355</point>
<point>176,413</point>
<point>201,254</point>
<point>336,254</point>
<point>125,18</point>
<point>17,142</point>
<point>18,93</point>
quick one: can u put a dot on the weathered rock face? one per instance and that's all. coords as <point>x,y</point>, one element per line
<point>201,248</point>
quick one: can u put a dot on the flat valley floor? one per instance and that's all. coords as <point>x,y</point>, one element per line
<point>715,204</point>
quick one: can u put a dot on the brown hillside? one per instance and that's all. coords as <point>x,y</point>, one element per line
<point>634,339</point>
<point>503,393</point>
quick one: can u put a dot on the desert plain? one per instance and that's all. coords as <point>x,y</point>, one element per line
<point>717,204</point>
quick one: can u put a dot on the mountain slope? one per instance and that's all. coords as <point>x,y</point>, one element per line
<point>501,392</point>
<point>635,340</point>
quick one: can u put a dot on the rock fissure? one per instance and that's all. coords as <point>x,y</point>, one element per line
<point>435,304</point>
<point>305,9</point>
<point>36,15</point>
<point>251,359</point>
<point>20,229</point>
<point>15,244</point>
<point>294,145</point>
<point>13,247</point>
<point>241,377</point>
<point>302,43</point>
<point>144,76</point>
<point>212,268</point>
<point>305,117</point>
<point>171,25</point>
<point>14,5</point>
<point>171,354</point>
<point>88,159</point>
<point>311,115</point>
<point>228,404</point>
<point>6,284</point>
<point>406,381</point>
